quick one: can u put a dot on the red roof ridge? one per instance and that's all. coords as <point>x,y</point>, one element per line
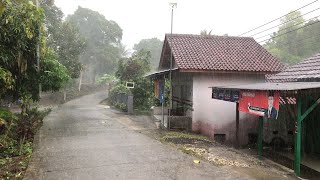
<point>209,36</point>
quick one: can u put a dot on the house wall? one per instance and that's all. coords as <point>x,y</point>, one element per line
<point>211,116</point>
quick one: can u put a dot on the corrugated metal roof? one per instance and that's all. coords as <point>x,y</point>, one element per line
<point>287,86</point>
<point>160,72</point>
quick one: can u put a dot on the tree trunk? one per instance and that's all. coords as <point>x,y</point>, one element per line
<point>65,94</point>
<point>80,80</point>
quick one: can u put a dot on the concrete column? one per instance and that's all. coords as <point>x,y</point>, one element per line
<point>130,104</point>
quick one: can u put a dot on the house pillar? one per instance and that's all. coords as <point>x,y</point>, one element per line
<point>237,125</point>
<point>260,137</point>
<point>297,149</point>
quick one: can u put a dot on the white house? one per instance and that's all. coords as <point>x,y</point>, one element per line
<point>202,61</point>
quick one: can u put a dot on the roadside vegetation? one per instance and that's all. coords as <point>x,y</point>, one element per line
<point>39,51</point>
<point>132,69</point>
<point>16,140</point>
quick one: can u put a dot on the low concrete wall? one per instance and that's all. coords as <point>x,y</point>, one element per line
<point>158,110</point>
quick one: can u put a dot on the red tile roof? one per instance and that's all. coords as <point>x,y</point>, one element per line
<point>219,53</point>
<point>307,70</point>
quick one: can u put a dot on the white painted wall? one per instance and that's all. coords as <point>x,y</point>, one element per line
<point>211,116</point>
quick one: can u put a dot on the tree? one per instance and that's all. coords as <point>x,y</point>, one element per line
<point>19,27</point>
<point>133,69</point>
<point>64,38</point>
<point>6,81</point>
<point>103,41</point>
<point>20,24</point>
<point>53,74</point>
<point>153,45</point>
<point>295,39</point>
<point>205,32</point>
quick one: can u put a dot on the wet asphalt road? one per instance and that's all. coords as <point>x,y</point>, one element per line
<point>84,140</point>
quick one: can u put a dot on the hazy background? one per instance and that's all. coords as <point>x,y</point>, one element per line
<point>142,19</point>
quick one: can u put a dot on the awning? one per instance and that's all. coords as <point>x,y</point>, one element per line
<point>162,72</point>
<point>287,86</point>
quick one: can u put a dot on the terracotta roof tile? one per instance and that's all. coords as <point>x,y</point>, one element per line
<point>222,53</point>
<point>306,70</point>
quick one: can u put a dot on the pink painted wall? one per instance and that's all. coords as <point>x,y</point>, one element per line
<point>211,116</point>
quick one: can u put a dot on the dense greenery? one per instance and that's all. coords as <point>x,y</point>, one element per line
<point>103,47</point>
<point>133,69</point>
<point>20,25</point>
<point>295,39</point>
<point>19,29</point>
<point>22,31</point>
<point>154,46</point>
<point>64,38</point>
<point>16,139</point>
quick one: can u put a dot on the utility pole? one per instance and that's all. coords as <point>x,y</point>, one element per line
<point>38,49</point>
<point>173,5</point>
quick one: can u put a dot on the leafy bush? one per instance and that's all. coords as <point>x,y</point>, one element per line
<point>107,78</point>
<point>116,94</point>
<point>121,106</point>
<point>119,88</point>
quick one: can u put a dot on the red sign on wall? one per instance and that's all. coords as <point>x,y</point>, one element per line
<point>261,103</point>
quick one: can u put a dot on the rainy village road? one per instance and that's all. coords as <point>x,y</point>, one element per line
<point>83,140</point>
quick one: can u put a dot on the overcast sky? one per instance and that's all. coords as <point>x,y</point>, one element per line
<point>141,19</point>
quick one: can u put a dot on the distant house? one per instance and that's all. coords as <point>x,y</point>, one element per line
<point>201,61</point>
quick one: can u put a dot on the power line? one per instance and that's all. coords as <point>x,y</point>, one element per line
<point>286,22</point>
<point>301,40</point>
<point>288,27</point>
<point>278,18</point>
<point>290,31</point>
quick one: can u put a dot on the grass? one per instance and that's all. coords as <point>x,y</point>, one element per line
<point>184,135</point>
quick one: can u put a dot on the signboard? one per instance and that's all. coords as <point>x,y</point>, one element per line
<point>225,95</point>
<point>261,103</point>
<point>130,85</point>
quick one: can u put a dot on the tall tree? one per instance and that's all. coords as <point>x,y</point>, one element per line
<point>296,39</point>
<point>133,69</point>
<point>153,45</point>
<point>103,40</point>
<point>20,24</point>
<point>64,38</point>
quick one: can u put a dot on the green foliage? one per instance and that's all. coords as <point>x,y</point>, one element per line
<point>116,94</point>
<point>119,88</point>
<point>7,122</point>
<point>19,29</point>
<point>20,26</point>
<point>64,38</point>
<point>291,45</point>
<point>121,106</point>
<point>133,69</point>
<point>6,80</point>
<point>53,74</point>
<point>103,48</point>
<point>154,45</point>
<point>17,137</point>
<point>107,78</point>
